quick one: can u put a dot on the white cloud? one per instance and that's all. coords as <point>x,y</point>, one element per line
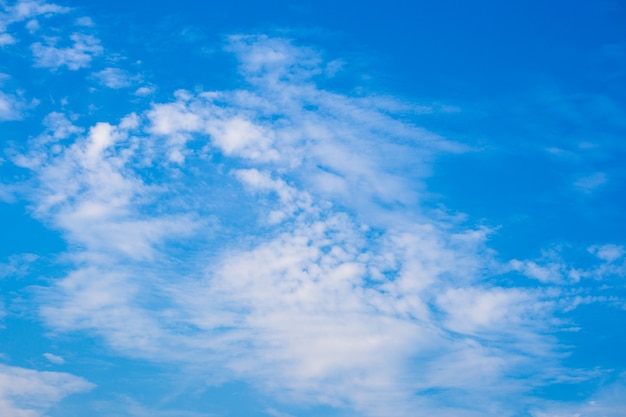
<point>546,272</point>
<point>240,137</point>
<point>91,194</point>
<point>11,107</point>
<point>24,10</point>
<point>610,262</point>
<point>609,253</point>
<point>59,126</point>
<point>78,55</point>
<point>145,91</point>
<point>32,25</point>
<point>94,298</point>
<point>114,78</point>
<point>28,393</point>
<point>291,200</point>
<point>500,310</point>
<point>6,39</point>
<point>344,292</point>
<point>57,360</point>
<point>303,306</point>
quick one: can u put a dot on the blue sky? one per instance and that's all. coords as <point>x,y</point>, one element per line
<point>295,209</point>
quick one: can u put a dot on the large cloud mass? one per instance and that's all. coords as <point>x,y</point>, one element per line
<point>277,234</point>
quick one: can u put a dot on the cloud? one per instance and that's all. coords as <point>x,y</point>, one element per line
<point>114,78</point>
<point>10,107</point>
<point>312,270</point>
<point>59,126</point>
<point>17,265</point>
<point>609,263</point>
<point>609,253</point>
<point>546,271</point>
<point>6,39</point>
<point>90,192</point>
<point>144,91</point>
<point>24,10</point>
<point>590,183</point>
<point>78,55</point>
<point>57,360</point>
<point>28,393</point>
<point>32,26</point>
<point>499,310</point>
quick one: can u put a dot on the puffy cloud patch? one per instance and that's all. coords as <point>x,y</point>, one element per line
<point>114,78</point>
<point>78,55</point>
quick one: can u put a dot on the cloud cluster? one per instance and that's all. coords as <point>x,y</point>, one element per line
<point>276,234</point>
<point>24,10</point>
<point>73,51</point>
<point>342,290</point>
<point>607,262</point>
<point>75,56</point>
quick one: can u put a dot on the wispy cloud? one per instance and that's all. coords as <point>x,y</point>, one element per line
<point>55,359</point>
<point>10,107</point>
<point>29,393</point>
<point>17,265</point>
<point>591,182</point>
<point>12,104</point>
<point>316,274</point>
<point>608,263</point>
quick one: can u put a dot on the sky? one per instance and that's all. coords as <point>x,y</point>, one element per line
<point>312,208</point>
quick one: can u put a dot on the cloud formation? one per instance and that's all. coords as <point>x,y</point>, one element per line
<point>10,107</point>
<point>276,234</point>
<point>344,291</point>
<point>78,55</point>
<point>21,11</point>
<point>114,78</point>
<point>29,393</point>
